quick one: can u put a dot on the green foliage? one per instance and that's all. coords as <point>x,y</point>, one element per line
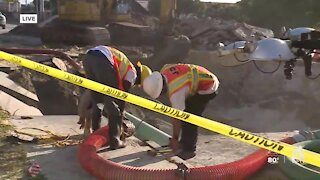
<point>271,14</point>
<point>274,14</point>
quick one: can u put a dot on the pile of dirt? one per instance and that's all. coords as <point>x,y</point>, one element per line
<point>26,30</point>
<point>205,33</point>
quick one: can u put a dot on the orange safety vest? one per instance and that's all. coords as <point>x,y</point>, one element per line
<point>180,75</point>
<point>123,62</point>
<point>120,61</point>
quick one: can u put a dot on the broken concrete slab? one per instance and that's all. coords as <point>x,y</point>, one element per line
<point>17,100</point>
<point>4,63</point>
<point>16,107</point>
<point>8,83</point>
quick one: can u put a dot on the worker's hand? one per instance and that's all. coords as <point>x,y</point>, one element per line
<point>174,144</point>
<point>84,107</point>
<point>81,122</point>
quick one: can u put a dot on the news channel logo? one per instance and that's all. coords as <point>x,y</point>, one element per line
<point>273,158</point>
<point>28,18</point>
<point>297,155</point>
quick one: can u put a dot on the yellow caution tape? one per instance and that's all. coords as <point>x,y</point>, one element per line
<point>244,136</point>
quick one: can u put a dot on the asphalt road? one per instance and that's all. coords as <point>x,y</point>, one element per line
<point>8,28</point>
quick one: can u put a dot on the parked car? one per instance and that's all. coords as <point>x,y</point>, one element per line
<point>3,21</point>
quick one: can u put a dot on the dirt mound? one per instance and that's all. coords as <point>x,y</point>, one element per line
<point>26,30</point>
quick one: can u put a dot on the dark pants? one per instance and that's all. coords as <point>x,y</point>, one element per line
<point>189,132</point>
<point>99,69</point>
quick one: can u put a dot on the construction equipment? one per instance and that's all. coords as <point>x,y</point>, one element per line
<point>84,22</point>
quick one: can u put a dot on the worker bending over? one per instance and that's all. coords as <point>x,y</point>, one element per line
<point>111,67</point>
<point>190,88</point>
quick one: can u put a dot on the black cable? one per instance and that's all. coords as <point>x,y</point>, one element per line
<point>235,56</point>
<point>270,72</point>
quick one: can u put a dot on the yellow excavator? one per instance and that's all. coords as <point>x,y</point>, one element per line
<point>83,22</point>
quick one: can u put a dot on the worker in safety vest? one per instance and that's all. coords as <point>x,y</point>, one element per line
<point>111,67</point>
<point>190,88</point>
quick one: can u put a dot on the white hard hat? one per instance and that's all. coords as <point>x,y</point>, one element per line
<point>153,84</point>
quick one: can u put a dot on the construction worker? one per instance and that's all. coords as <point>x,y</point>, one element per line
<point>190,88</point>
<point>111,67</point>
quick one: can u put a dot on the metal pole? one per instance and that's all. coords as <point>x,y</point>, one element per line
<point>41,9</point>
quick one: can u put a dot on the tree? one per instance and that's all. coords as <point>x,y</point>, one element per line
<point>274,14</point>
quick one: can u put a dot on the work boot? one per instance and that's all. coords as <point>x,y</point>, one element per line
<point>117,144</point>
<point>186,155</point>
<point>115,132</point>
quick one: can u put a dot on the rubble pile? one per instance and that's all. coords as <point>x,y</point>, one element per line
<point>205,33</point>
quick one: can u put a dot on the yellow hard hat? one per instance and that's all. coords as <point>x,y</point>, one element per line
<point>145,72</point>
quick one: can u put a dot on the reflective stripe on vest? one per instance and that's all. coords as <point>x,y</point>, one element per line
<point>124,64</point>
<point>191,77</point>
<point>115,55</point>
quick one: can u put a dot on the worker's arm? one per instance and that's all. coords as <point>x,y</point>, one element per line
<point>128,82</point>
<point>126,85</point>
<point>178,102</point>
